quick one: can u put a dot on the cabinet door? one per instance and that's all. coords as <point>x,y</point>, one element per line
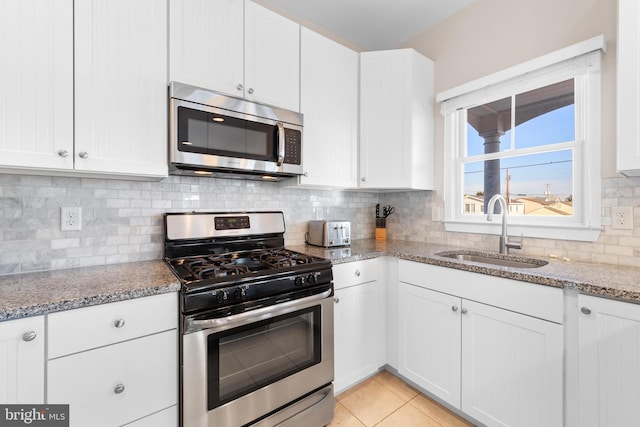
<point>116,384</point>
<point>359,333</point>
<point>207,44</point>
<point>628,100</point>
<point>121,86</point>
<point>609,368</point>
<point>511,368</point>
<point>329,102</point>
<point>165,418</point>
<point>396,120</point>
<point>272,58</point>
<point>22,361</point>
<point>36,84</point>
<point>429,344</point>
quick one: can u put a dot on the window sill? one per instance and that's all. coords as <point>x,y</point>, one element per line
<point>542,231</point>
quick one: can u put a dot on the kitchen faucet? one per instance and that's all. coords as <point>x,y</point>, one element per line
<point>505,244</point>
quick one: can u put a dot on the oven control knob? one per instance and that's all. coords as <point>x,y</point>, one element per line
<point>240,293</point>
<point>311,279</point>
<point>299,281</point>
<point>222,296</point>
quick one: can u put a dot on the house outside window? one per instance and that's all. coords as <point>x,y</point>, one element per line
<point>532,134</point>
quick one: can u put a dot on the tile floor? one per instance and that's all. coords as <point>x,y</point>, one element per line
<point>386,401</point>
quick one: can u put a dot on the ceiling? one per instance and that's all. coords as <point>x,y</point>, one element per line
<point>373,24</point>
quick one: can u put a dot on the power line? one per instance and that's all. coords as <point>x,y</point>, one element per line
<point>525,166</point>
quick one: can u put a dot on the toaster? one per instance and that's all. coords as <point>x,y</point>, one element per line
<point>329,233</point>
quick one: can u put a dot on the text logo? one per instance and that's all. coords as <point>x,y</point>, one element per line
<point>34,415</point>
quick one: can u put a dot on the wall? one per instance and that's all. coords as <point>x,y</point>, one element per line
<point>491,35</point>
<point>122,220</point>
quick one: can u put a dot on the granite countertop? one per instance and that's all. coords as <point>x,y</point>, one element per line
<point>603,280</point>
<point>31,294</point>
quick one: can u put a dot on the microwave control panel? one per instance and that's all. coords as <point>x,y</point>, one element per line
<point>292,144</point>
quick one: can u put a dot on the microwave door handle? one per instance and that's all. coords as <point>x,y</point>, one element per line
<point>281,136</point>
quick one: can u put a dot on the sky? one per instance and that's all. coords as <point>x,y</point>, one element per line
<point>530,174</point>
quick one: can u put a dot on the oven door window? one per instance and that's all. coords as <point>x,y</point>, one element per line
<point>215,134</point>
<point>248,358</point>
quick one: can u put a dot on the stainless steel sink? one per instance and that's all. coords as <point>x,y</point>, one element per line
<point>494,259</point>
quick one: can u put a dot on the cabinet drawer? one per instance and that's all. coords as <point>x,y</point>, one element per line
<point>165,418</point>
<point>86,328</point>
<point>355,273</point>
<point>117,384</point>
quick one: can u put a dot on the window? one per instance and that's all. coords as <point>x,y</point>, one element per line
<point>532,134</point>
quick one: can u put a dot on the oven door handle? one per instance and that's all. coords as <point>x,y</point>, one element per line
<point>256,315</point>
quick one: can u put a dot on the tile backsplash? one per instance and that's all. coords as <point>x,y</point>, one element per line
<point>622,247</point>
<point>122,219</point>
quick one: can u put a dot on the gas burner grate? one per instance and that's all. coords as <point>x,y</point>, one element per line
<point>213,266</point>
<point>280,258</point>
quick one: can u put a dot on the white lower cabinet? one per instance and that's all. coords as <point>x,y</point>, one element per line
<point>120,376</point>
<point>511,367</point>
<point>498,366</point>
<point>428,321</point>
<point>359,322</point>
<point>22,361</point>
<point>164,418</point>
<point>609,362</point>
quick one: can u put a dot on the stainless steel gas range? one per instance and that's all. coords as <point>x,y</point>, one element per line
<point>257,323</point>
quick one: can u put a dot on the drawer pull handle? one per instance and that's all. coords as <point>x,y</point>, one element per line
<point>358,273</point>
<point>454,308</point>
<point>119,389</point>
<point>29,336</point>
<point>119,323</point>
<point>463,311</point>
<point>585,310</point>
<point>336,300</point>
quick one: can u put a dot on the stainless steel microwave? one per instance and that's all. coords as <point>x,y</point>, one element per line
<point>216,135</point>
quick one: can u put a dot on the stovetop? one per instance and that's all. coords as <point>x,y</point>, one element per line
<point>228,262</point>
<point>235,266</point>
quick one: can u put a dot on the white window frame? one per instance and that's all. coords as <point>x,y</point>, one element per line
<point>580,62</point>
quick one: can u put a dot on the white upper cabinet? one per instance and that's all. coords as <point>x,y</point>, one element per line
<point>36,84</point>
<point>329,102</point>
<point>109,57</point>
<point>236,47</point>
<point>121,86</point>
<point>207,43</point>
<point>272,58</point>
<point>628,125</point>
<point>396,120</point>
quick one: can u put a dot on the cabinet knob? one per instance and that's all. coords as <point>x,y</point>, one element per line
<point>83,154</point>
<point>63,153</point>
<point>29,336</point>
<point>306,174</point>
<point>240,87</point>
<point>454,308</point>
<point>585,310</point>
<point>364,179</point>
<point>119,323</point>
<point>357,273</point>
<point>336,300</point>
<point>463,311</point>
<point>119,389</point>
<point>250,90</point>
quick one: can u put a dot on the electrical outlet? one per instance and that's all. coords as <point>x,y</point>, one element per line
<point>622,218</point>
<point>71,219</point>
